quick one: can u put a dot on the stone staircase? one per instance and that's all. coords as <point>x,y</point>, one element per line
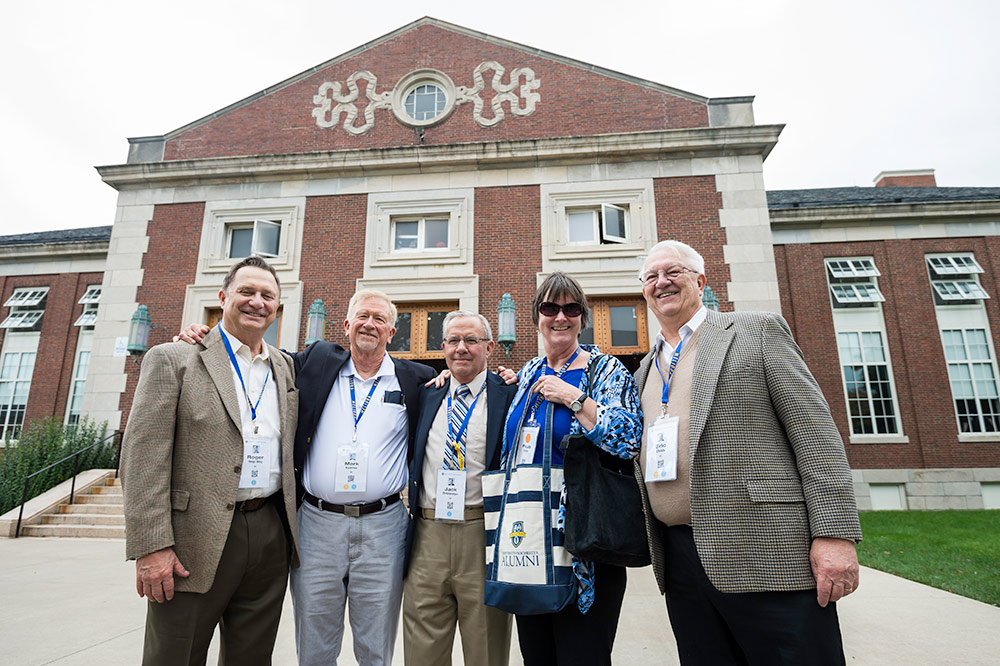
<point>98,513</point>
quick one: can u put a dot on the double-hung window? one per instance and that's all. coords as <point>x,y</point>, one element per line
<point>413,234</point>
<point>260,237</point>
<point>603,224</point>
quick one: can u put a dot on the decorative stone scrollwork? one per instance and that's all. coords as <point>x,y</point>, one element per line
<point>504,92</point>
<point>328,115</point>
<point>521,96</point>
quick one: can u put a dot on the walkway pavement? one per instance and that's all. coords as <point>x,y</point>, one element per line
<point>73,602</point>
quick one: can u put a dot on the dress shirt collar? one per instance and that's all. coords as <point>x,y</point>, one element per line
<point>387,368</point>
<point>475,385</point>
<point>686,330</point>
<point>243,350</point>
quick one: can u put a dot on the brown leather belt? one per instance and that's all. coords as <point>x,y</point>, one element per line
<point>246,506</point>
<point>471,513</point>
<point>353,510</point>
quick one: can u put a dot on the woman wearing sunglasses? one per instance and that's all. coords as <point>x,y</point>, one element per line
<point>605,410</point>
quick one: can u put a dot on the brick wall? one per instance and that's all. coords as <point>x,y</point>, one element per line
<point>687,209</point>
<point>919,367</point>
<point>508,256</point>
<point>56,353</point>
<point>574,102</point>
<point>333,258</point>
<point>169,266</point>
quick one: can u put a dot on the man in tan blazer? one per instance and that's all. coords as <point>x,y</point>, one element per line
<point>748,496</point>
<point>209,482</point>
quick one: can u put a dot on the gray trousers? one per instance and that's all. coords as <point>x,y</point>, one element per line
<point>356,561</point>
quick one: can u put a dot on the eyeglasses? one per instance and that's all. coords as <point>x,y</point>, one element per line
<point>550,309</point>
<point>469,342</point>
<point>671,276</point>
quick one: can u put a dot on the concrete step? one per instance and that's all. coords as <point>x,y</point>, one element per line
<point>98,499</point>
<point>115,509</point>
<point>106,490</point>
<point>90,531</point>
<point>83,519</point>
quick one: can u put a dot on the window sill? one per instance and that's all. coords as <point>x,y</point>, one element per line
<point>979,437</point>
<point>879,439</point>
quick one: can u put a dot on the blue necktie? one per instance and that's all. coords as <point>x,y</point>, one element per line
<point>459,408</point>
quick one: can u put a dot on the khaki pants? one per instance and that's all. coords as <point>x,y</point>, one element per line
<point>444,585</point>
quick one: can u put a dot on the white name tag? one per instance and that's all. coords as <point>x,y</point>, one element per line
<point>526,446</point>
<point>450,500</point>
<point>661,450</point>
<point>352,468</point>
<point>256,468</point>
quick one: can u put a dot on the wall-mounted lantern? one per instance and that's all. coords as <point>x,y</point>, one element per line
<point>315,322</point>
<point>506,323</point>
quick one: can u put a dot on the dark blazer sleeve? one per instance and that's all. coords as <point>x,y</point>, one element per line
<point>412,376</point>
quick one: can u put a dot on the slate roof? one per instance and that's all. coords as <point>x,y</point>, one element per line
<point>84,235</point>
<point>866,196</point>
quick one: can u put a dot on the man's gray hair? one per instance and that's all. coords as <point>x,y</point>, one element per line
<point>364,294</point>
<point>691,258</point>
<point>455,314</point>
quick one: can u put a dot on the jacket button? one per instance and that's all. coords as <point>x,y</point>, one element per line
<point>236,469</point>
<point>229,507</point>
<point>308,439</point>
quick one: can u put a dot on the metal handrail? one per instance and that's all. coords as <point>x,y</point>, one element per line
<point>72,486</point>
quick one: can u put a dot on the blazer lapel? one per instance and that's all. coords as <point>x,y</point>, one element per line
<point>219,368</point>
<point>429,406</point>
<point>714,338</point>
<point>496,416</point>
<point>643,372</point>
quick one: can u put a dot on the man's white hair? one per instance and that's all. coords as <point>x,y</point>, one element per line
<point>455,314</point>
<point>364,294</point>
<point>691,258</point>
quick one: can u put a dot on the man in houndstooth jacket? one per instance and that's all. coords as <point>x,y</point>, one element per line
<point>748,497</point>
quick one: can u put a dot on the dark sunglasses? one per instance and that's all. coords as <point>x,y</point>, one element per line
<point>550,309</point>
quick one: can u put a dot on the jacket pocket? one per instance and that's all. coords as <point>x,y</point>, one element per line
<point>179,500</point>
<point>775,490</point>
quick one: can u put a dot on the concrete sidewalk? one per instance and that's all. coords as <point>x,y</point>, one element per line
<point>72,601</point>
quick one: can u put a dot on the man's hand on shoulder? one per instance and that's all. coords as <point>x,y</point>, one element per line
<point>193,334</point>
<point>154,575</point>
<point>835,568</point>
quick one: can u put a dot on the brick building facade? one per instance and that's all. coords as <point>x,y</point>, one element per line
<point>448,167</point>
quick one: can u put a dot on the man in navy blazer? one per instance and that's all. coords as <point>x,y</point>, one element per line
<point>459,435</point>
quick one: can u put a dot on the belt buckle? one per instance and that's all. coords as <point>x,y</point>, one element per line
<point>352,510</point>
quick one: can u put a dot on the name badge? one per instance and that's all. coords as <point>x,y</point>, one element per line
<point>450,501</point>
<point>661,450</point>
<point>352,468</point>
<point>256,468</point>
<point>526,445</point>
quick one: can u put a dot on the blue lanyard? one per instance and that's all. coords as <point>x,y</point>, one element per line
<point>665,397</point>
<point>236,366</point>
<point>354,403</point>
<point>558,373</point>
<point>461,430</point>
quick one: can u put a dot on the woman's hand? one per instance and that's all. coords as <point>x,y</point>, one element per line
<point>193,334</point>
<point>507,375</point>
<point>440,380</point>
<point>554,389</point>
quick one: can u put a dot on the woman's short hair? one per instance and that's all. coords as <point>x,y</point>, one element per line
<point>556,286</point>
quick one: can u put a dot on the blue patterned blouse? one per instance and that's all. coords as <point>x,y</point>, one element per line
<point>618,429</point>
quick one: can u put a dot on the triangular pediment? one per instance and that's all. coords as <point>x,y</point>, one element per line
<point>436,83</point>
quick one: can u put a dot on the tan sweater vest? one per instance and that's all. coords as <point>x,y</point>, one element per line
<point>671,500</point>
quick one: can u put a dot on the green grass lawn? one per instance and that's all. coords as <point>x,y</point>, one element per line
<point>958,551</point>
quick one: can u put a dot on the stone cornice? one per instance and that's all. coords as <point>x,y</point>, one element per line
<point>668,144</point>
<point>904,213</point>
<point>34,251</point>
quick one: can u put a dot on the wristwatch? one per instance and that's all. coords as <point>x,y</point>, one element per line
<point>577,404</point>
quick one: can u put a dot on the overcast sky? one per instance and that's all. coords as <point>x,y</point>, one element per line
<point>861,86</point>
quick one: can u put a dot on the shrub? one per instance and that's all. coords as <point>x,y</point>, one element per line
<point>43,443</point>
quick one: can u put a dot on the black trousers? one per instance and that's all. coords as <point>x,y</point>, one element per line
<point>572,638</point>
<point>713,628</point>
